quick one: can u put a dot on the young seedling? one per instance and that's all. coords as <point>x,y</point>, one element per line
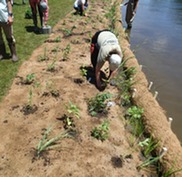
<point>66,52</point>
<point>29,107</point>
<point>148,146</point>
<point>43,57</point>
<point>52,66</point>
<point>152,160</point>
<point>73,110</point>
<point>101,132</point>
<point>68,122</point>
<point>46,144</point>
<point>29,79</point>
<point>68,32</point>
<point>97,104</point>
<point>56,49</point>
<point>134,114</point>
<point>57,39</point>
<point>83,71</point>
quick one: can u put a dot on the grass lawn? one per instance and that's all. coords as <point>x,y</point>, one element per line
<point>27,41</point>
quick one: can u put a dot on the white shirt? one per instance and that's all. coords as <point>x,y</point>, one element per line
<point>3,11</point>
<point>79,2</point>
<point>107,42</point>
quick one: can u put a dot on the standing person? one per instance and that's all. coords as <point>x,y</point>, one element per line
<point>80,6</point>
<point>131,12</point>
<point>42,7</point>
<point>105,47</point>
<point>6,24</point>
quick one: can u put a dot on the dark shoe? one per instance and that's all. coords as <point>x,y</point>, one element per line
<point>129,26</point>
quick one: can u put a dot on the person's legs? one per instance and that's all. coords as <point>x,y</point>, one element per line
<point>2,45</point>
<point>40,15</point>
<point>8,31</point>
<point>34,14</point>
<point>129,13</point>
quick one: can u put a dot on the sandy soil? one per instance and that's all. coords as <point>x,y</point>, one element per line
<point>83,155</point>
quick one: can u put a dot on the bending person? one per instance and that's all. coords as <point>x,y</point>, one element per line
<point>105,47</point>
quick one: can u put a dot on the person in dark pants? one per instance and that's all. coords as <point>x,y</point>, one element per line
<point>80,6</point>
<point>105,47</point>
<point>131,12</point>
<point>6,25</point>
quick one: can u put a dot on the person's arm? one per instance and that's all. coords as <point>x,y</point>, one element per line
<point>97,75</point>
<point>112,74</point>
<point>10,12</point>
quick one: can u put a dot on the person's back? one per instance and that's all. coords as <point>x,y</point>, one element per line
<point>107,42</point>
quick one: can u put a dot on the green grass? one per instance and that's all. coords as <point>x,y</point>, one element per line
<point>26,42</point>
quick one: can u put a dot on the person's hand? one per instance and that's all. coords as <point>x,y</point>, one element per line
<point>10,20</point>
<point>101,86</point>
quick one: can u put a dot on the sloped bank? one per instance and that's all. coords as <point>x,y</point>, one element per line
<point>155,120</point>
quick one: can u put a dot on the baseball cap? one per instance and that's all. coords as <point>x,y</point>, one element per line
<point>115,61</point>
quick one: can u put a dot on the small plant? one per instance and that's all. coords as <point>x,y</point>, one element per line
<point>43,57</point>
<point>153,160</point>
<point>126,98</point>
<point>45,143</point>
<point>56,49</point>
<point>29,79</point>
<point>66,52</point>
<point>148,145</point>
<point>30,98</point>
<point>135,112</point>
<point>57,39</point>
<point>51,67</point>
<point>68,122</point>
<point>29,107</point>
<point>83,71</point>
<point>101,132</point>
<point>68,32</point>
<point>73,109</point>
<point>97,104</point>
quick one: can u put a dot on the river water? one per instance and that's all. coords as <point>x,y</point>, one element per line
<point>156,39</point>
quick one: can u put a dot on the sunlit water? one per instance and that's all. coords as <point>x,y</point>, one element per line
<point>156,38</point>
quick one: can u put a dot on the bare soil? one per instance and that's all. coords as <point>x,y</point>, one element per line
<point>22,128</point>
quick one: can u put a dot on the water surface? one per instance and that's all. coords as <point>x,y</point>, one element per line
<point>156,38</point>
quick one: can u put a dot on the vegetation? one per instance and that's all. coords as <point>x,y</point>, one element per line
<point>45,143</point>
<point>29,79</point>
<point>101,132</point>
<point>97,104</point>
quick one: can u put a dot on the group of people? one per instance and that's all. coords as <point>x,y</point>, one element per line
<point>104,44</point>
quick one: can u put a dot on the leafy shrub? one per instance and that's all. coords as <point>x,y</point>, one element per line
<point>97,104</point>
